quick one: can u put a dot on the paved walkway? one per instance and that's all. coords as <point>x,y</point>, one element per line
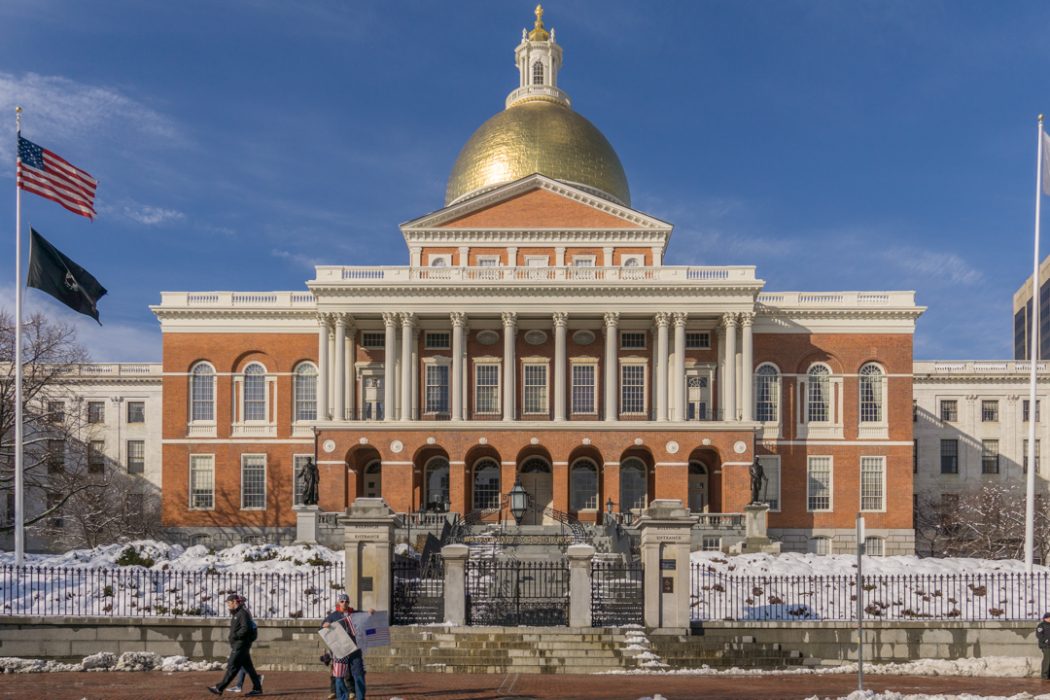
<point>441,686</point>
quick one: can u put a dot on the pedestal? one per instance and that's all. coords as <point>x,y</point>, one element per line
<point>306,524</point>
<point>756,538</point>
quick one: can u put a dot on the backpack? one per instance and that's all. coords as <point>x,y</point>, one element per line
<point>253,631</point>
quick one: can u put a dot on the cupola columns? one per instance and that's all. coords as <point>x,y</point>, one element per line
<point>539,60</point>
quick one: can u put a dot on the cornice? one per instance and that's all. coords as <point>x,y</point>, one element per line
<point>546,236</point>
<point>168,314</point>
<point>546,289</point>
<point>786,315</point>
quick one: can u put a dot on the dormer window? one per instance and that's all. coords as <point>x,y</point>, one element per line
<point>537,73</point>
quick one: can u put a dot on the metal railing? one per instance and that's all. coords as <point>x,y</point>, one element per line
<point>617,593</point>
<point>984,596</point>
<point>138,592</point>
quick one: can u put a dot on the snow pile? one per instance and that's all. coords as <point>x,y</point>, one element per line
<point>107,661</point>
<point>987,667</point>
<point>796,564</point>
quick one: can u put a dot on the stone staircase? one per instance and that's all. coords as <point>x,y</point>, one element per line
<point>742,651</point>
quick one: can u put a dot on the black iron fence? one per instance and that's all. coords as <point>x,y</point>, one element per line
<point>138,592</point>
<point>417,595</point>
<point>978,596</point>
<point>513,592</point>
<point>617,594</point>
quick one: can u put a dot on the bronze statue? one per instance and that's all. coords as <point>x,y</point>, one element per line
<point>758,475</point>
<point>309,477</point>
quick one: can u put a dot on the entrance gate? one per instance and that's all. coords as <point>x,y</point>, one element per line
<point>507,593</point>
<point>617,594</point>
<point>418,591</point>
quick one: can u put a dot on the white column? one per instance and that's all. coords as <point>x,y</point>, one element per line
<point>322,367</point>
<point>679,319</point>
<point>663,319</point>
<point>512,256</point>
<point>561,320</point>
<point>658,256</point>
<point>729,323</point>
<point>413,375</point>
<point>607,256</point>
<point>417,256</point>
<point>612,323</point>
<point>466,369</point>
<point>456,389</point>
<point>747,380</point>
<point>389,379</point>
<point>510,333</point>
<point>559,256</point>
<point>720,371</point>
<point>351,369</point>
<point>464,256</point>
<point>408,323</point>
<point>339,385</point>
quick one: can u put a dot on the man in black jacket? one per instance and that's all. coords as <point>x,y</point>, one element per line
<point>242,634</point>
<point>1042,633</point>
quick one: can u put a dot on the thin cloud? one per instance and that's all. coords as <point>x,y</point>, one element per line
<point>297,258</point>
<point>148,215</point>
<point>940,266</point>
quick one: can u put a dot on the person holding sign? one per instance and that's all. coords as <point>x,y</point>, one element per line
<point>340,635</point>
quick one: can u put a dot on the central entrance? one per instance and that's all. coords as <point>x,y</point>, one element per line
<point>538,481</point>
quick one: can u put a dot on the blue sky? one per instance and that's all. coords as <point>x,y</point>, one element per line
<point>835,145</point>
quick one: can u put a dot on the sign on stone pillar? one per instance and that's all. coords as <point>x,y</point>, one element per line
<point>368,536</point>
<point>666,535</point>
<point>580,557</point>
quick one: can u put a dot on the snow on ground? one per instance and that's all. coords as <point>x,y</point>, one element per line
<point>987,667</point>
<point>107,661</point>
<point>795,564</point>
<point>890,695</point>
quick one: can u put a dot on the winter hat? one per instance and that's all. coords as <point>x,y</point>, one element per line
<point>1046,615</point>
<point>342,598</point>
<point>234,598</point>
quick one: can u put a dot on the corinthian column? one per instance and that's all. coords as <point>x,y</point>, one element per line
<point>612,324</point>
<point>510,334</point>
<point>322,367</point>
<point>747,360</point>
<point>729,323</point>
<point>663,320</point>
<point>389,379</point>
<point>459,320</point>
<point>339,385</point>
<point>561,320</point>
<point>408,324</point>
<point>680,393</point>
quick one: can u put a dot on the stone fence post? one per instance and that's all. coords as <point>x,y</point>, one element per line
<point>368,536</point>
<point>580,558</point>
<point>666,533</point>
<point>455,558</point>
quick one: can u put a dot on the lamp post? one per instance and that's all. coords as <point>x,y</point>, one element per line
<point>519,501</point>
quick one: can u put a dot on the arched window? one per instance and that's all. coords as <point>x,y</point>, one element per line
<point>374,479</point>
<point>202,392</point>
<point>632,485</point>
<point>871,379</point>
<point>439,261</point>
<point>255,392</point>
<point>486,484</point>
<point>436,482</point>
<point>305,392</point>
<point>584,485</point>
<point>767,394</point>
<point>537,73</point>
<point>818,394</point>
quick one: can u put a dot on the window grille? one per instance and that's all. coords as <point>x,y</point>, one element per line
<point>989,456</point>
<point>767,394</point>
<point>202,482</point>
<point>254,393</point>
<point>818,402</point>
<point>437,495</point>
<point>136,456</point>
<point>1024,456</point>
<point>486,484</point>
<point>821,545</point>
<point>96,412</point>
<point>874,546</point>
<point>1025,409</point>
<point>537,73</point>
<point>583,388</point>
<point>696,408</point>
<point>584,485</point>
<point>305,392</point>
<point>202,393</point>
<point>56,411</point>
<point>949,456</point>
<point>871,380</point>
<point>711,544</point>
<point>373,339</point>
<point>535,389</point>
<point>949,410</point>
<point>437,389</point>
<point>136,411</point>
<point>697,340</point>
<point>872,483</point>
<point>632,485</point>
<point>438,340</point>
<point>632,340</point>
<point>253,481</point>
<point>632,389</point>
<point>990,411</point>
<point>97,456</point>
<point>486,388</point>
<point>819,483</point>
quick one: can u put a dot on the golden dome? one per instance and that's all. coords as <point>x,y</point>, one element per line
<point>538,136</point>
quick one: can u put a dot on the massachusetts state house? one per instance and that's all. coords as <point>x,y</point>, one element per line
<point>535,335</point>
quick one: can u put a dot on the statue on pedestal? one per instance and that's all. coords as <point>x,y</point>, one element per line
<point>758,475</point>
<point>309,479</point>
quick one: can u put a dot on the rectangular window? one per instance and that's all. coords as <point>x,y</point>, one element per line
<point>1024,411</point>
<point>873,546</point>
<point>583,261</point>
<point>915,456</point>
<point>632,340</point>
<point>9,512</point>
<point>583,389</point>
<point>771,488</point>
<point>373,339</point>
<point>56,412</point>
<point>438,340</point>
<point>990,411</point>
<point>136,411</point>
<point>697,340</point>
<point>96,412</point>
<point>819,480</point>
<point>949,410</point>
<point>989,456</point>
<point>136,456</point>
<point>949,456</point>
<point>53,499</point>
<point>97,456</point>
<point>437,389</point>
<point>1024,456</point>
<point>202,482</point>
<point>632,389</point>
<point>297,463</point>
<point>488,261</point>
<point>56,455</point>
<point>711,544</point>
<point>535,399</point>
<point>486,388</point>
<point>253,482</point>
<point>872,483</point>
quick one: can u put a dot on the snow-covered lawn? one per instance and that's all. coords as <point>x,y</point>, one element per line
<point>107,661</point>
<point>811,587</point>
<point>891,695</point>
<point>987,667</point>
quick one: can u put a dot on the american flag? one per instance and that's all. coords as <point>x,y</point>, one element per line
<point>44,173</point>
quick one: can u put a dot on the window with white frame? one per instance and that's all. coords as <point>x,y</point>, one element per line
<point>305,392</point>
<point>696,398</point>
<point>537,73</point>
<point>1025,407</point>
<point>440,260</point>
<point>202,482</point>
<point>136,456</point>
<point>818,480</point>
<point>873,483</point>
<point>202,392</point>
<point>535,384</point>
<point>253,482</point>
<point>436,481</point>
<point>437,340</point>
<point>820,545</point>
<point>298,462</point>
<point>711,543</point>
<point>254,392</point>
<point>436,389</point>
<point>96,412</point>
<point>632,485</point>
<point>488,261</point>
<point>767,394</point>
<point>771,488</point>
<point>583,261</point>
<point>584,485</point>
<point>989,456</point>
<point>584,388</point>
<point>874,546</point>
<point>97,456</point>
<point>871,396</point>
<point>373,340</point>
<point>486,484</point>
<point>1024,456</point>
<point>136,411</point>
<point>697,340</point>
<point>818,395</point>
<point>632,340</point>
<point>486,388</point>
<point>632,261</point>
<point>632,389</point>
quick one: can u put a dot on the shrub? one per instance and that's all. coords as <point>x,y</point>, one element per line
<point>318,560</point>
<point>107,591</point>
<point>132,557</point>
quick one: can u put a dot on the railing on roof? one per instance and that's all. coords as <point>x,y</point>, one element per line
<point>975,367</point>
<point>531,275</point>
<point>847,299</point>
<point>239,299</point>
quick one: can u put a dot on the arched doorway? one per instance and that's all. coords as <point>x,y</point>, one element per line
<point>372,486</point>
<point>537,479</point>
<point>634,484</point>
<point>699,499</point>
<point>436,497</point>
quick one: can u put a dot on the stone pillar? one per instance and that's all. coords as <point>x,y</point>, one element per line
<point>561,320</point>
<point>678,376</point>
<point>607,256</point>
<point>512,256</point>
<point>351,371</point>
<point>510,335</point>
<point>663,319</point>
<point>455,558</point>
<point>729,323</point>
<point>389,378</point>
<point>580,557</point>
<point>747,374</point>
<point>416,254</point>
<point>339,385</point>
<point>559,256</point>
<point>456,389</point>
<point>368,536</point>
<point>306,524</point>
<point>322,367</point>
<point>464,256</point>
<point>666,534</point>
<point>658,259</point>
<point>612,324</point>
<point>408,326</point>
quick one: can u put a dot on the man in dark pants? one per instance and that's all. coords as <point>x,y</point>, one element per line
<point>1042,633</point>
<point>352,666</point>
<point>242,634</point>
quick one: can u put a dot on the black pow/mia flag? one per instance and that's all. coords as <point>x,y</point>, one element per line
<point>52,272</point>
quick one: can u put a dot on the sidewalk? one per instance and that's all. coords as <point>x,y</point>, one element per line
<point>440,686</point>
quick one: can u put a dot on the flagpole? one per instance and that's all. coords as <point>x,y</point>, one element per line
<point>1033,406</point>
<point>20,545</point>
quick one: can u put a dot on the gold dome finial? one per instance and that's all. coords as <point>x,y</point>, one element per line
<point>539,33</point>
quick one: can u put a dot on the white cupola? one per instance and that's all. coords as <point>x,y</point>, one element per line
<point>539,60</point>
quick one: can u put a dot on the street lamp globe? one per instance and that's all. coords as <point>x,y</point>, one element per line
<point>519,501</point>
